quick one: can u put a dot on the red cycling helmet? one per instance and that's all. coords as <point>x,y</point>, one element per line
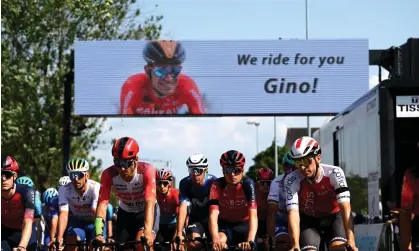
<point>163,174</point>
<point>265,174</point>
<point>125,148</point>
<point>9,163</point>
<point>232,158</point>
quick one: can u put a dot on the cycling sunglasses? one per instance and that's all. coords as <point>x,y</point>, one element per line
<point>76,175</point>
<point>163,71</point>
<point>165,183</point>
<point>232,170</point>
<point>265,182</point>
<point>7,174</point>
<point>123,163</point>
<point>305,161</point>
<point>196,170</point>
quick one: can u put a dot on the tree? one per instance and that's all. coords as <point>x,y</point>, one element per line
<point>37,39</point>
<point>266,158</point>
<point>358,186</point>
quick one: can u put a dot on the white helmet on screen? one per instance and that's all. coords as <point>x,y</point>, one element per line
<point>304,146</point>
<point>197,160</point>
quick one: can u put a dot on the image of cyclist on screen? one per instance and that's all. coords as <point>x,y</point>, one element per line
<point>162,89</point>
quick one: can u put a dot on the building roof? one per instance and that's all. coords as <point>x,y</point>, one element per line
<point>295,133</point>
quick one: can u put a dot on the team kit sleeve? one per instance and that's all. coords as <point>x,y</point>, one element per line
<point>109,212</point>
<point>273,195</point>
<point>29,203</point>
<point>53,208</point>
<point>250,193</point>
<point>149,182</point>
<point>406,202</point>
<point>292,187</point>
<point>62,199</point>
<point>38,206</point>
<point>96,195</point>
<point>338,181</point>
<point>183,191</point>
<point>214,196</point>
<point>105,186</point>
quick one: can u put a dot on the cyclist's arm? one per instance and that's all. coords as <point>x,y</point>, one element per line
<point>63,215</point>
<point>109,215</point>
<point>96,199</point>
<point>103,200</point>
<point>249,190</point>
<point>273,198</point>
<point>150,197</point>
<point>214,210</point>
<point>183,207</point>
<point>338,180</point>
<point>405,216</point>
<point>28,218</point>
<point>292,187</point>
<point>53,227</point>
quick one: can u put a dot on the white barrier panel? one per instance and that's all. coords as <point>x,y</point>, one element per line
<point>367,236</point>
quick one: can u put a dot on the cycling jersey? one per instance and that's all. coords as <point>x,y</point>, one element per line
<point>19,207</point>
<point>196,196</point>
<point>132,195</point>
<point>410,193</point>
<point>81,207</point>
<point>277,194</point>
<point>169,206</point>
<point>262,202</point>
<point>233,202</point>
<point>50,210</point>
<point>320,198</point>
<point>137,97</point>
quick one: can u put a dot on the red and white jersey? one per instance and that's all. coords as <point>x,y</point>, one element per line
<point>319,198</point>
<point>131,195</point>
<point>80,206</point>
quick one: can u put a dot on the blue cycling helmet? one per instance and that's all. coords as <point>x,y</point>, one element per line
<point>25,180</point>
<point>49,194</point>
<point>288,163</point>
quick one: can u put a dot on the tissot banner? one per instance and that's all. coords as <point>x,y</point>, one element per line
<point>244,77</point>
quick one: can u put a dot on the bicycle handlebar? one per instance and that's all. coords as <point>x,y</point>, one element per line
<point>208,242</point>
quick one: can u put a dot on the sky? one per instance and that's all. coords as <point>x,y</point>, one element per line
<point>384,23</point>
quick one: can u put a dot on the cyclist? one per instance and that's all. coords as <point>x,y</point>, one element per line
<point>134,183</point>
<point>168,199</point>
<point>63,181</point>
<point>50,213</point>
<point>409,228</point>
<point>25,180</point>
<point>318,198</point>
<point>277,221</point>
<point>162,89</point>
<point>264,177</point>
<point>17,210</point>
<point>233,207</point>
<point>80,197</point>
<point>194,193</point>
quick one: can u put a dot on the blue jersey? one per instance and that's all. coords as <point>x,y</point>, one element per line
<point>196,196</point>
<point>109,212</point>
<point>50,210</point>
<point>38,205</point>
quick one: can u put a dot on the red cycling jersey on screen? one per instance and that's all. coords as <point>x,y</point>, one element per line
<point>233,202</point>
<point>138,98</point>
<point>410,193</point>
<point>20,206</point>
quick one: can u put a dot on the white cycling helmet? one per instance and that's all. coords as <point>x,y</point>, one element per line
<point>77,165</point>
<point>64,181</point>
<point>197,160</point>
<point>163,174</point>
<point>304,146</point>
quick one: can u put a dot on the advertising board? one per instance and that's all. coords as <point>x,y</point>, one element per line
<point>215,78</point>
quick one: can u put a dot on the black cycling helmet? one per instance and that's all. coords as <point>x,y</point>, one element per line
<point>164,52</point>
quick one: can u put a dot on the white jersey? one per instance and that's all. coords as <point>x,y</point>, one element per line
<point>80,206</point>
<point>277,194</point>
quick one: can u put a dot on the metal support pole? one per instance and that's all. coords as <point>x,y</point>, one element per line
<point>276,149</point>
<point>68,86</point>
<point>306,16</point>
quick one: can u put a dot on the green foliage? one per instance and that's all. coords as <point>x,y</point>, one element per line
<point>37,38</point>
<point>266,158</point>
<point>358,187</point>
